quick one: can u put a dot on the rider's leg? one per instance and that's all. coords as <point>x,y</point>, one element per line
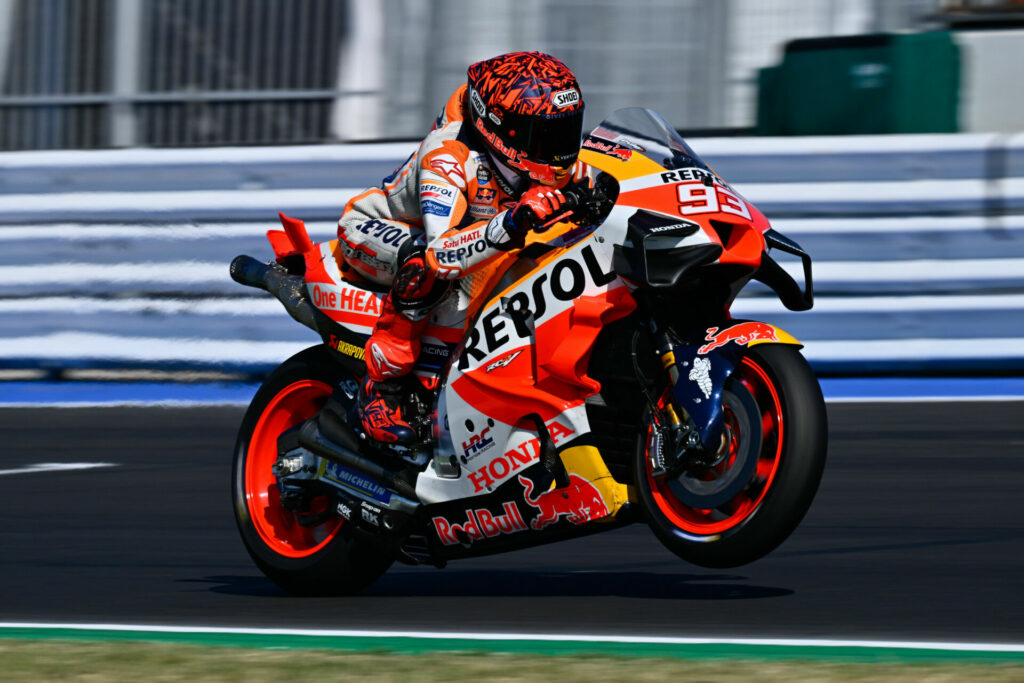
<point>394,346</point>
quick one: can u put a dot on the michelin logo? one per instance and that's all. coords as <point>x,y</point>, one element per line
<point>356,482</point>
<point>701,374</point>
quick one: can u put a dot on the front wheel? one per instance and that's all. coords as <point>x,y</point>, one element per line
<point>304,558</point>
<point>774,442</point>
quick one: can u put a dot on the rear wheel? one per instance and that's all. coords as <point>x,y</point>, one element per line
<point>304,553</point>
<point>771,459</point>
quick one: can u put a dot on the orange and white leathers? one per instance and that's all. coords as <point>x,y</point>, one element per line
<point>448,197</point>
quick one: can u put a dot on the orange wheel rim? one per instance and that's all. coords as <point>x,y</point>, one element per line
<point>736,511</point>
<point>277,527</point>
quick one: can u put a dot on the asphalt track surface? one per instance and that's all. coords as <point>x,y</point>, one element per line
<point>916,534</point>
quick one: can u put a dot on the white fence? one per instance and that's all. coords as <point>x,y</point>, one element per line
<point>119,259</point>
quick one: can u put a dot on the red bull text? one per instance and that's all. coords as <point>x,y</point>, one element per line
<point>480,523</point>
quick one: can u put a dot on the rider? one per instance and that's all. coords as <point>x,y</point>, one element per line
<point>490,169</point>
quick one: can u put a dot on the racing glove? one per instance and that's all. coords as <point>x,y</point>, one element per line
<point>537,207</point>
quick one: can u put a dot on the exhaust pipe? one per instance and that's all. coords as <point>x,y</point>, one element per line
<point>312,438</point>
<point>290,290</point>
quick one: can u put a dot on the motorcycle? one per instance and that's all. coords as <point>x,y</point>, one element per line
<point>597,380</point>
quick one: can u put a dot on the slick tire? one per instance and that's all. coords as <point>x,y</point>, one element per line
<point>775,448</point>
<point>318,559</point>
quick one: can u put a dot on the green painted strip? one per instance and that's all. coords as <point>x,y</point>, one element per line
<point>526,645</point>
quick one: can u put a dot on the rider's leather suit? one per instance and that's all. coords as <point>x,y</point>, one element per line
<point>435,219</point>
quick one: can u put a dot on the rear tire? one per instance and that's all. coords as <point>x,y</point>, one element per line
<point>322,559</point>
<point>776,441</point>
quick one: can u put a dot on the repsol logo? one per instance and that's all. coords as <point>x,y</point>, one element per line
<point>567,279</point>
<point>683,175</point>
<point>388,234</point>
<point>456,256</point>
<point>432,191</point>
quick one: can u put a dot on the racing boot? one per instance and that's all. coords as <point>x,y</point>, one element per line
<point>380,412</point>
<point>390,354</point>
<point>392,349</point>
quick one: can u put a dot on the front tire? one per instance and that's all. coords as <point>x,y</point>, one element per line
<point>774,446</point>
<point>319,559</point>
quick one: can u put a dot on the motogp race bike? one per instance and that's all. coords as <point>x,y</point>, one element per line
<point>598,379</point>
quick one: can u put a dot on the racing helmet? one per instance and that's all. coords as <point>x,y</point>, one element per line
<point>528,109</point>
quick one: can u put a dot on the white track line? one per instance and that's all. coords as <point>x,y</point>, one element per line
<point>476,636</point>
<point>931,349</point>
<point>57,467</point>
<point>877,304</point>
<point>902,225</point>
<point>920,399</point>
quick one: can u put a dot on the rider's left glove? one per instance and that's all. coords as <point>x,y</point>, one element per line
<point>538,206</point>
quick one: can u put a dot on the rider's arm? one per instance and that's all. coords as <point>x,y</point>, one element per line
<point>457,246</point>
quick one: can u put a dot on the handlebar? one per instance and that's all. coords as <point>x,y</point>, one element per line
<point>586,204</point>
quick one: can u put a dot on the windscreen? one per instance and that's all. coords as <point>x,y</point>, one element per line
<point>645,132</point>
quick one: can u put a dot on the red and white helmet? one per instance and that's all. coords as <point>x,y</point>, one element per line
<point>528,108</point>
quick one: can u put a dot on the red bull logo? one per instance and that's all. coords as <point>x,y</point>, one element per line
<point>578,502</point>
<point>742,333</point>
<point>609,148</point>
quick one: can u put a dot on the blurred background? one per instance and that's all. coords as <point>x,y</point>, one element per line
<point>144,143</point>
<point>86,74</point>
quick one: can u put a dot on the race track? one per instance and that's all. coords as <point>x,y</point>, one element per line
<point>916,534</point>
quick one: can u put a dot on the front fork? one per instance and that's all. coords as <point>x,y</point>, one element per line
<point>673,442</point>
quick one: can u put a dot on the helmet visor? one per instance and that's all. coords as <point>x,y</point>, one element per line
<point>554,141</point>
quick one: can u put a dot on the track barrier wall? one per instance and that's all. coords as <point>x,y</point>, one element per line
<point>119,259</point>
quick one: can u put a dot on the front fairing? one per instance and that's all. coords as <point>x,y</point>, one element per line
<point>684,235</point>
